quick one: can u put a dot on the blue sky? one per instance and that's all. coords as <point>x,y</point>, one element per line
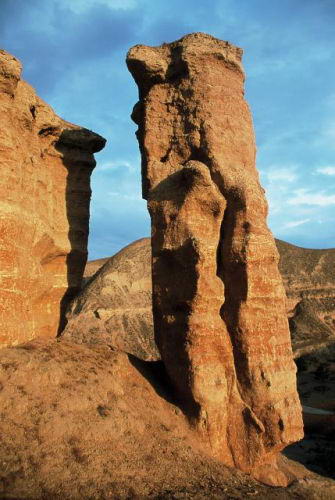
<point>73,52</point>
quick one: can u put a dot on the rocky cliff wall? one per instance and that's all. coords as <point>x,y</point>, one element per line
<point>218,300</point>
<point>46,165</point>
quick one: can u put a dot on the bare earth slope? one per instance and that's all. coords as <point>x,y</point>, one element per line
<point>115,306</point>
<point>89,422</point>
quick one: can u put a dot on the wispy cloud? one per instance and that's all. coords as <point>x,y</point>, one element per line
<point>108,166</point>
<point>278,181</point>
<point>285,174</point>
<point>326,170</point>
<point>305,197</point>
<point>123,196</point>
<point>295,223</point>
<point>79,6</point>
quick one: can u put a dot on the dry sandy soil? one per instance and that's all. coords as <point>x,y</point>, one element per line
<point>82,421</point>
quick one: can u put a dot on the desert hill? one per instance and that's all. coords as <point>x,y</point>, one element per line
<point>309,280</point>
<point>125,280</point>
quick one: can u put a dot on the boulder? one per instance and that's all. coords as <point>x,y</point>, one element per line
<point>218,300</point>
<point>46,165</point>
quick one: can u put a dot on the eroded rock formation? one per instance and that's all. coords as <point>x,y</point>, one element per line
<point>218,299</point>
<point>46,165</point>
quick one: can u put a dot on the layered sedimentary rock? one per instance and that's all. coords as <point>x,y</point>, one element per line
<point>46,165</point>
<point>114,308</point>
<point>309,279</point>
<point>218,299</point>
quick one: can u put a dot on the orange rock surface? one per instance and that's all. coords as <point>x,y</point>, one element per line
<point>218,299</point>
<point>46,165</point>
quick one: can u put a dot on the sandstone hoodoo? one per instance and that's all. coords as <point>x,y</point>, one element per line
<point>46,165</point>
<point>218,299</point>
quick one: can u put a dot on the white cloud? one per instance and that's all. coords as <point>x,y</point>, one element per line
<point>326,170</point>
<point>284,174</point>
<point>295,223</point>
<point>326,137</point>
<point>303,197</point>
<point>123,196</point>
<point>79,6</point>
<point>109,165</point>
<point>277,181</point>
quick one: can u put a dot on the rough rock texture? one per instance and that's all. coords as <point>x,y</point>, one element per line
<point>87,422</point>
<point>44,209</point>
<point>115,307</point>
<point>309,279</point>
<point>218,299</point>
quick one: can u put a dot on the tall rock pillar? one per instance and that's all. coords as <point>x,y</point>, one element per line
<point>218,299</point>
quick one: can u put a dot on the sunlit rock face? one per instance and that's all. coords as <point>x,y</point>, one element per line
<point>46,165</point>
<point>218,299</point>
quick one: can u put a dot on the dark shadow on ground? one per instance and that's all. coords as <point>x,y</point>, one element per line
<point>316,387</point>
<point>155,373</point>
<point>316,452</point>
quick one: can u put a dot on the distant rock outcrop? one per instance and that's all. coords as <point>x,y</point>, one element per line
<point>309,279</point>
<point>115,307</point>
<point>46,165</point>
<point>218,300</point>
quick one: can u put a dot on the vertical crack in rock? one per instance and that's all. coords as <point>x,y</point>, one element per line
<point>46,164</point>
<point>218,299</point>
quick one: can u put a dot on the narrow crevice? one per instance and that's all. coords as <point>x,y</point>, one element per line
<point>32,110</point>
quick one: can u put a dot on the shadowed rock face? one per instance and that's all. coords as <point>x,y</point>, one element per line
<point>46,165</point>
<point>218,300</point>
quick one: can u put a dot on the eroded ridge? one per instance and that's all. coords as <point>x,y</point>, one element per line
<point>218,299</point>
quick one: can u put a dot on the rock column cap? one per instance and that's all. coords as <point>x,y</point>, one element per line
<point>150,65</point>
<point>10,72</point>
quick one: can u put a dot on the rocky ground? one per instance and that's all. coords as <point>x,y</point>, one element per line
<point>81,421</point>
<point>88,421</point>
